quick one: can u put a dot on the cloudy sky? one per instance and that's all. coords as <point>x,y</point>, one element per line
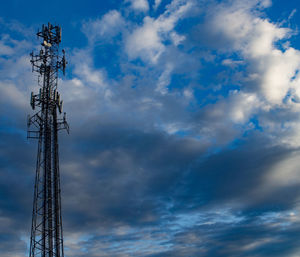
<point>185,127</point>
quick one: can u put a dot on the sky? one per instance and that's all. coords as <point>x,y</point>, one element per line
<point>184,127</point>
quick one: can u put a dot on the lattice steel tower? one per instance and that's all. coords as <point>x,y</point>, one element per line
<point>46,231</point>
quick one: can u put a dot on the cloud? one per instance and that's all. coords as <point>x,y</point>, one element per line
<point>257,40</point>
<point>164,80</point>
<point>139,5</point>
<point>147,41</point>
<point>180,145</point>
<point>106,27</point>
<point>156,4</point>
<point>12,95</point>
<point>268,65</point>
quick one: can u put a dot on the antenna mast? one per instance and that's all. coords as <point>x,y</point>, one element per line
<point>46,231</point>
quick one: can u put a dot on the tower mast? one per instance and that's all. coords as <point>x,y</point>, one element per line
<point>46,231</point>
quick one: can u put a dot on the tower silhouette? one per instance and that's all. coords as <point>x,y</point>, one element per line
<point>46,231</point>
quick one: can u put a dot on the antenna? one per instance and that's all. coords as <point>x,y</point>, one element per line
<point>46,230</point>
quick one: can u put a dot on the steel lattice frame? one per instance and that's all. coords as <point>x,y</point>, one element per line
<point>46,231</point>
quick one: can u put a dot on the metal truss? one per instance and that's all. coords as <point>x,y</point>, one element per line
<point>46,231</point>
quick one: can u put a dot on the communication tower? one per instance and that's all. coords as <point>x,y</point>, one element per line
<point>46,231</point>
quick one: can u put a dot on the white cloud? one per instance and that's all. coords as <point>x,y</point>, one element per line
<point>12,95</point>
<point>279,70</point>
<point>292,14</point>
<point>227,119</point>
<point>9,46</point>
<point>176,38</point>
<point>164,80</point>
<point>106,27</point>
<point>242,106</point>
<point>16,79</point>
<point>252,35</point>
<point>85,71</point>
<point>92,77</point>
<point>147,41</point>
<point>231,63</point>
<point>157,4</point>
<point>255,38</point>
<point>188,93</point>
<point>139,5</point>
<point>271,67</point>
<point>285,172</point>
<point>5,49</point>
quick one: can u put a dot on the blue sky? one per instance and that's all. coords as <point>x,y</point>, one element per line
<point>184,120</point>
